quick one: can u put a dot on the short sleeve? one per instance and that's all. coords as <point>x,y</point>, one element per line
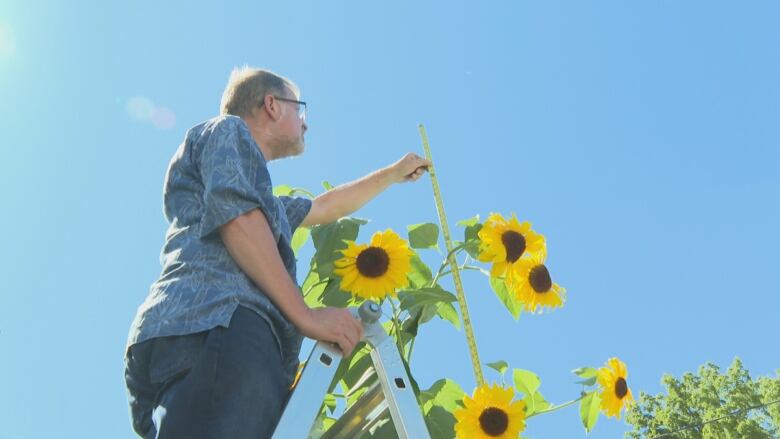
<point>235,178</point>
<point>296,208</point>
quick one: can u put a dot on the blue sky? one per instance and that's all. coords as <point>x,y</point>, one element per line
<point>641,138</point>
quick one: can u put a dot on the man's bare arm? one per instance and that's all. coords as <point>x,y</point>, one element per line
<point>349,197</point>
<point>249,241</point>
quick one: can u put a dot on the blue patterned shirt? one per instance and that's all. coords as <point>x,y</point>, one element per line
<point>217,174</point>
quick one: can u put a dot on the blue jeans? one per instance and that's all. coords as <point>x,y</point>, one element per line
<point>221,383</point>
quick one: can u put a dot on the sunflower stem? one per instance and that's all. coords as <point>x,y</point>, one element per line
<point>396,327</point>
<point>557,407</point>
<point>446,262</point>
<point>469,331</point>
<point>409,353</point>
<point>308,290</point>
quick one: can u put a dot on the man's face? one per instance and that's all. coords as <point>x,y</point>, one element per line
<point>292,126</point>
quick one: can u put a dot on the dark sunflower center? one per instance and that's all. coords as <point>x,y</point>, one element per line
<point>621,388</point>
<point>493,421</point>
<point>540,279</point>
<point>514,244</point>
<point>373,262</point>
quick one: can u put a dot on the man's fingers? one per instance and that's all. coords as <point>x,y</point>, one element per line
<point>418,161</point>
<point>359,329</point>
<point>416,173</point>
<point>351,335</point>
<point>346,345</point>
<point>424,163</point>
<point>356,327</point>
<point>342,344</point>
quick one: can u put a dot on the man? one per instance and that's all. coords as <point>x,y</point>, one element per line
<point>213,350</point>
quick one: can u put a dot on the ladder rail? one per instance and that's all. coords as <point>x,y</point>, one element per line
<point>399,400</point>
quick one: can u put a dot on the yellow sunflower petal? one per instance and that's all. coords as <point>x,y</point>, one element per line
<point>380,280</point>
<point>489,414</point>
<point>615,393</point>
<point>523,291</point>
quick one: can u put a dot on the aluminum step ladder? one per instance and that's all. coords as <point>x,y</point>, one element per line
<point>392,392</point>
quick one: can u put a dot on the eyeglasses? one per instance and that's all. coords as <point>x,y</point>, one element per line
<point>301,106</point>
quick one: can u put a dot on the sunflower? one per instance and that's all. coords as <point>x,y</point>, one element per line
<point>534,286</point>
<point>615,392</point>
<point>504,243</point>
<point>372,271</point>
<point>490,413</point>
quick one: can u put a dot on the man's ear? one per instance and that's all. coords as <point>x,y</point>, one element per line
<point>271,107</point>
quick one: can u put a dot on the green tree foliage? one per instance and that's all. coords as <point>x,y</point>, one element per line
<point>710,404</point>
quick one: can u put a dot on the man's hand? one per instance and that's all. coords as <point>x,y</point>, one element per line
<point>335,325</point>
<point>410,168</point>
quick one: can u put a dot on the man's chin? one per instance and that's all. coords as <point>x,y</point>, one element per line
<point>299,148</point>
<point>295,150</point>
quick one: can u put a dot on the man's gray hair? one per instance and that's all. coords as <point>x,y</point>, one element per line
<point>247,87</point>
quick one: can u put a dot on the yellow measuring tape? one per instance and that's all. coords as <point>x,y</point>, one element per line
<point>453,264</point>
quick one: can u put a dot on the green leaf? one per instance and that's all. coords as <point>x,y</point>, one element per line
<point>469,222</point>
<point>428,312</point>
<point>363,383</point>
<point>417,316</point>
<point>444,393</point>
<point>438,403</point>
<point>499,366</point>
<point>282,189</point>
<point>311,288</point>
<point>351,370</point>
<point>425,296</point>
<point>448,312</point>
<point>589,382</point>
<point>513,305</point>
<point>472,232</point>
<point>589,410</point>
<point>471,235</point>
<point>412,323</point>
<point>413,382</point>
<point>327,185</point>
<point>526,381</point>
<point>422,308</point>
<point>299,238</point>
<point>334,296</point>
<point>289,191</point>
<point>535,403</point>
<point>472,248</point>
<point>356,395</point>
<point>421,275</point>
<point>589,373</point>
<point>440,422</point>
<point>330,239</point>
<point>330,402</point>
<point>322,424</point>
<point>425,235</point>
<point>585,372</point>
